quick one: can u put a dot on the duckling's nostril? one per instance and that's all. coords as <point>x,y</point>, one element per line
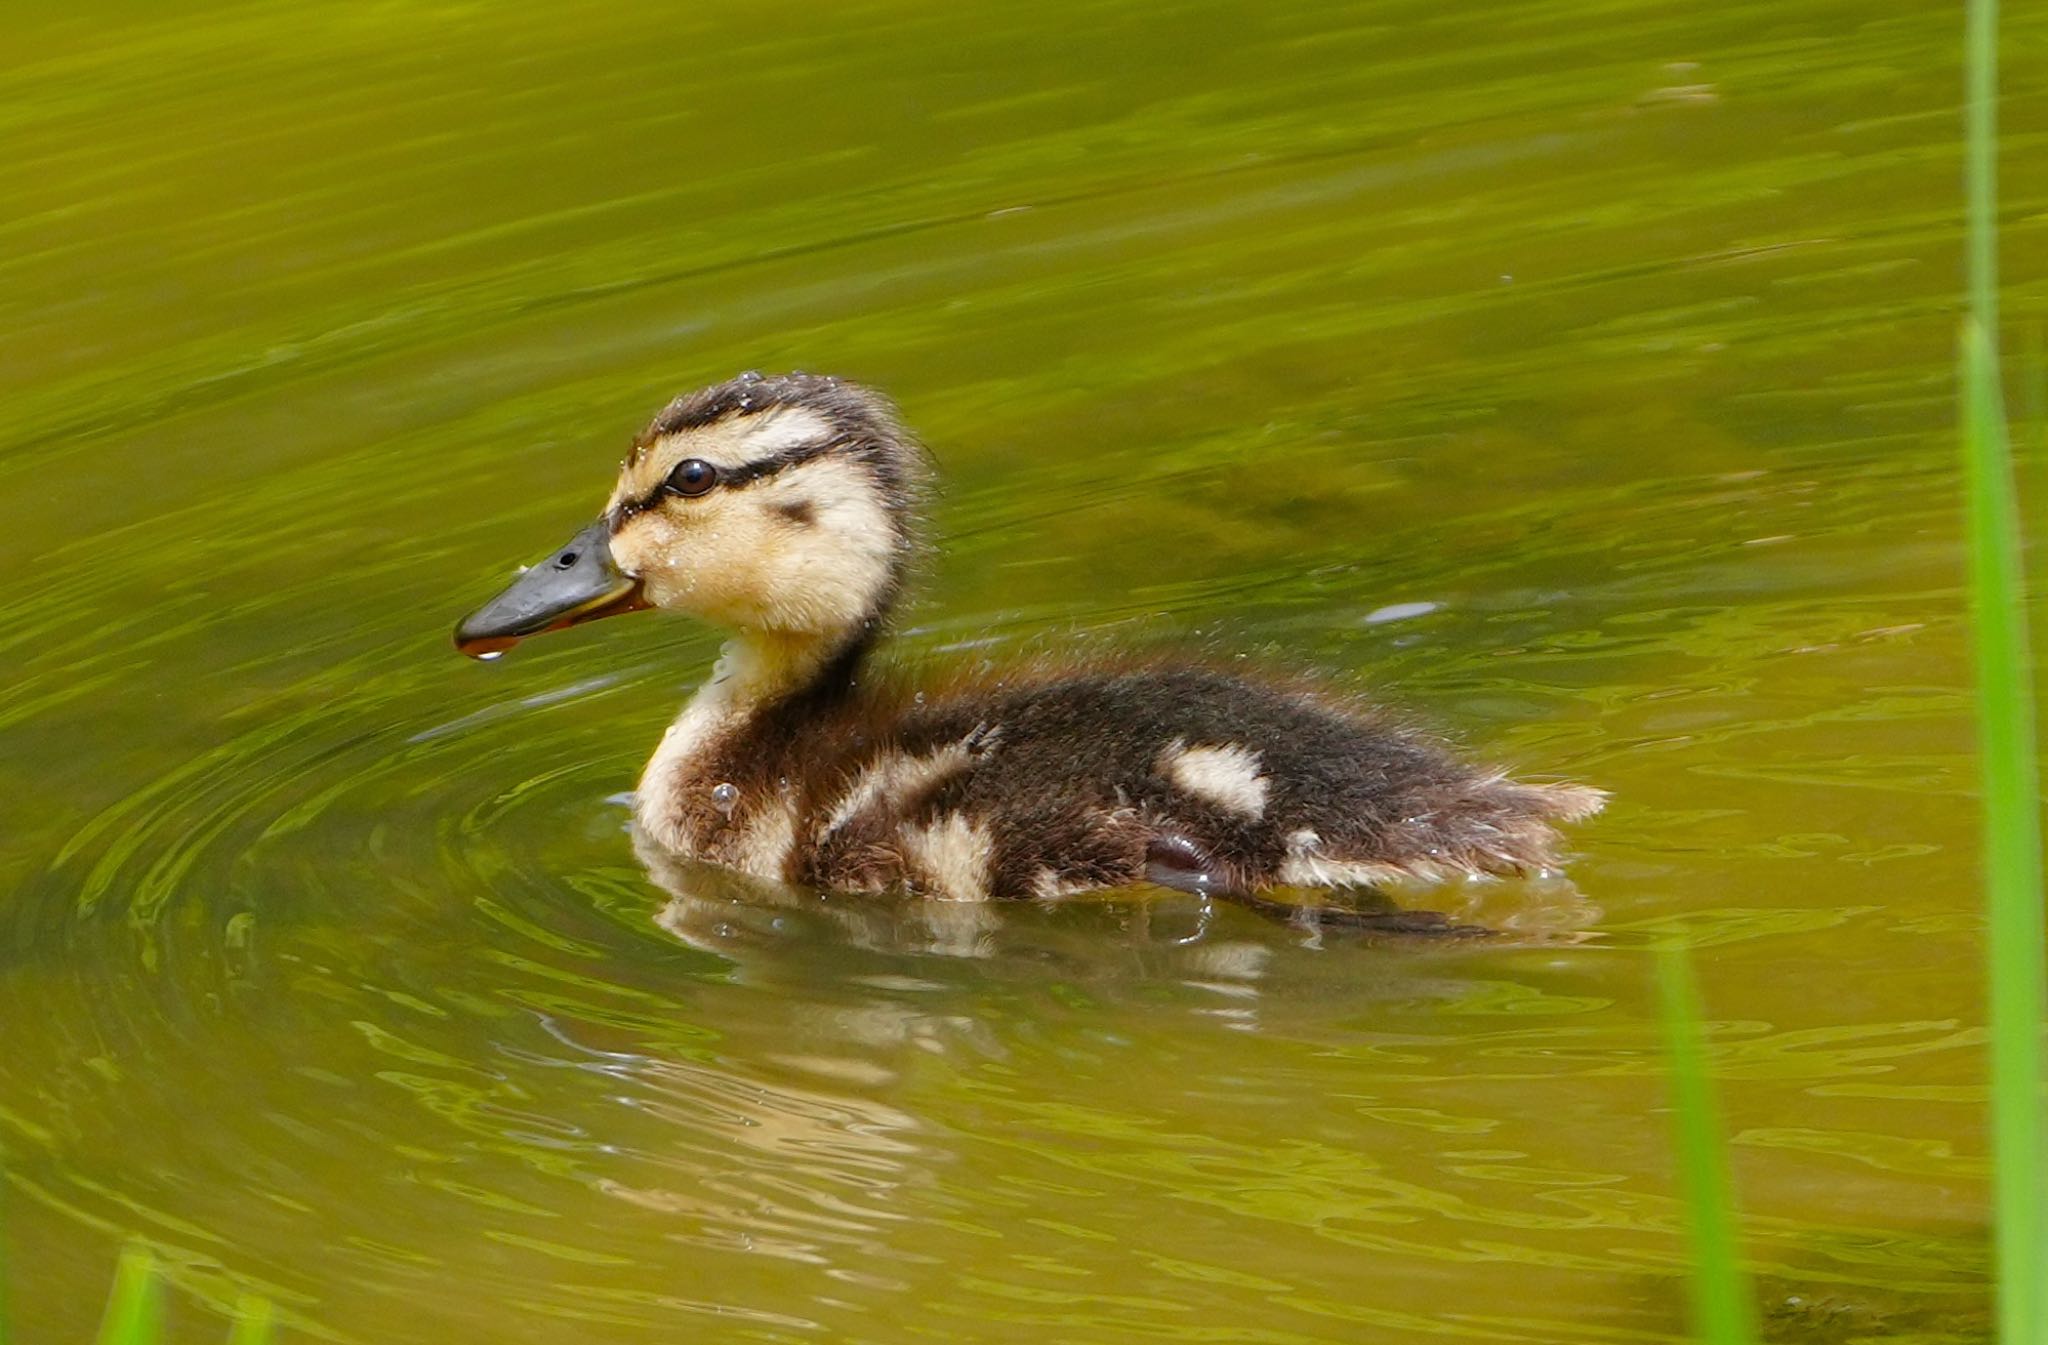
<point>565,560</point>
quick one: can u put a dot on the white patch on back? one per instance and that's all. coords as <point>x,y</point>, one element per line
<point>1226,776</point>
<point>953,856</point>
<point>893,779</point>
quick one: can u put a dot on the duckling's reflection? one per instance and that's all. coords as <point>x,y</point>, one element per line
<point>802,1139</point>
<point>736,916</point>
<point>1190,937</point>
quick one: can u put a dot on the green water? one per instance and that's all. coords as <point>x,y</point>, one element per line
<point>1617,334</point>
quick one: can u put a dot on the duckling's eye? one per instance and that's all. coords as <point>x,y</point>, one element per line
<point>692,476</point>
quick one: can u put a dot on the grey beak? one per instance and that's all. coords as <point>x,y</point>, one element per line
<point>580,582</point>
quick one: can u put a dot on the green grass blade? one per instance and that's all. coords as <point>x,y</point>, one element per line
<point>3,1254</point>
<point>135,1308</point>
<point>2012,850</point>
<point>2005,730</point>
<point>1723,1309</point>
<point>252,1322</point>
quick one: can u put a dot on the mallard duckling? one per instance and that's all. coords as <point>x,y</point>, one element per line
<point>787,510</point>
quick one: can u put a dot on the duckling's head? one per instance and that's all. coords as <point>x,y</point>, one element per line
<point>784,505</point>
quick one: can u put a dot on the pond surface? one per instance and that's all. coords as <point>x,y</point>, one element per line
<point>1575,375</point>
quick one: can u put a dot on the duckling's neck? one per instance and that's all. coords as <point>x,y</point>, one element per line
<point>764,684</point>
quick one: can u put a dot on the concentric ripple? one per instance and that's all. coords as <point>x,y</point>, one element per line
<point>1576,376</point>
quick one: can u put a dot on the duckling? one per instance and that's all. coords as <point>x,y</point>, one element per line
<point>787,509</point>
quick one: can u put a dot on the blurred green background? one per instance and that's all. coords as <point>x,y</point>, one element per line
<point>1576,375</point>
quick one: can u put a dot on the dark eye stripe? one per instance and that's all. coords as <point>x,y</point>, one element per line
<point>733,478</point>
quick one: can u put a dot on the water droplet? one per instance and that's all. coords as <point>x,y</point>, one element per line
<point>490,655</point>
<point>725,796</point>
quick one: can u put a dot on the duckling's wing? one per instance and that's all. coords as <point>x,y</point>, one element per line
<point>1195,778</point>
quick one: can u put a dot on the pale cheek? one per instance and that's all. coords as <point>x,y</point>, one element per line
<point>751,567</point>
<point>681,580</point>
<point>714,567</point>
<point>670,588</point>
